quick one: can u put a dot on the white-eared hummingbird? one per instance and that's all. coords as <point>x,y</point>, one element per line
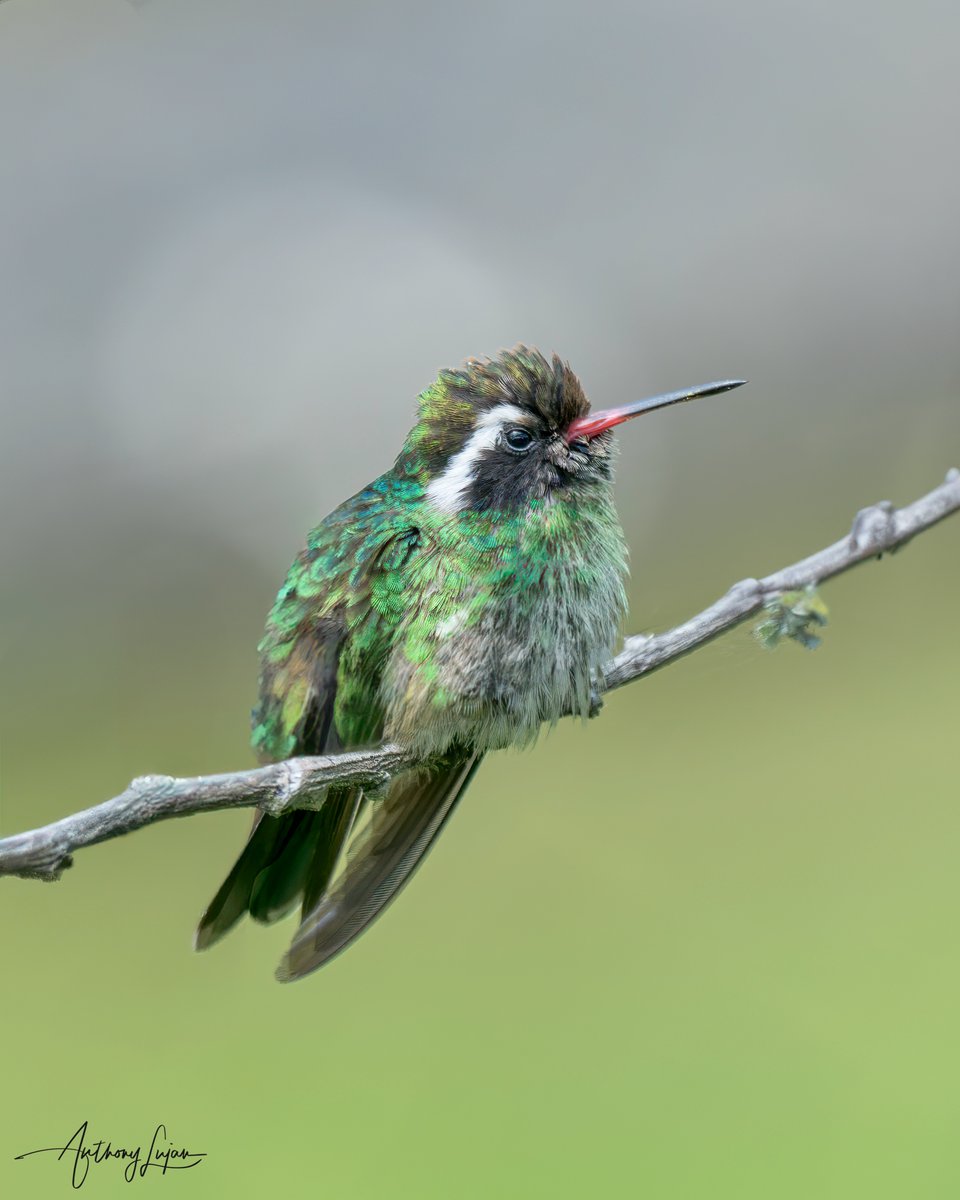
<point>464,598</point>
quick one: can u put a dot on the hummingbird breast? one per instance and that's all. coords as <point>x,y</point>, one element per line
<point>506,624</point>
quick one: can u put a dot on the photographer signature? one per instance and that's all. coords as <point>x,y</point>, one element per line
<point>82,1155</point>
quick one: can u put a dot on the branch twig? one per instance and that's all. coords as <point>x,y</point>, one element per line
<point>300,782</point>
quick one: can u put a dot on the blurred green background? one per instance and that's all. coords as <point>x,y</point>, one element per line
<point>706,946</point>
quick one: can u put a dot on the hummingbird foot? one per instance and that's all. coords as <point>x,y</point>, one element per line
<point>596,702</point>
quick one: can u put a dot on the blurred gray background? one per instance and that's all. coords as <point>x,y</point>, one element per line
<point>236,240</point>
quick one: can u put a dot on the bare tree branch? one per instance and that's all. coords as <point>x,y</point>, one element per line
<point>300,782</point>
<point>877,530</point>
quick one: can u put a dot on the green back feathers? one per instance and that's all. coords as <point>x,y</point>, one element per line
<point>345,588</point>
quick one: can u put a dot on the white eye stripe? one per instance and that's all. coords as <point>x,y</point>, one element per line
<point>448,491</point>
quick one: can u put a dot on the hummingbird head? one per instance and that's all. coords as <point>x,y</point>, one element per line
<point>498,433</point>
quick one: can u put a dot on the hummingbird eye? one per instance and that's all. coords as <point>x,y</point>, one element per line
<point>518,438</point>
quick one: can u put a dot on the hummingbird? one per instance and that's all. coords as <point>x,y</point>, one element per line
<point>456,605</point>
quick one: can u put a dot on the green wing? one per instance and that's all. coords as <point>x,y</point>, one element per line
<point>328,637</point>
<point>284,854</point>
<point>322,653</point>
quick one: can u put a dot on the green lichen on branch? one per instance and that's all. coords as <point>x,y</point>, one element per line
<point>793,615</point>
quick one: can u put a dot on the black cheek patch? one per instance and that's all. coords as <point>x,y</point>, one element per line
<point>503,481</point>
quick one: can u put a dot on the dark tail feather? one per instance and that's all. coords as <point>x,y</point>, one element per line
<point>283,856</point>
<point>404,825</point>
<point>307,860</point>
<point>280,879</point>
<point>342,817</point>
<point>233,898</point>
